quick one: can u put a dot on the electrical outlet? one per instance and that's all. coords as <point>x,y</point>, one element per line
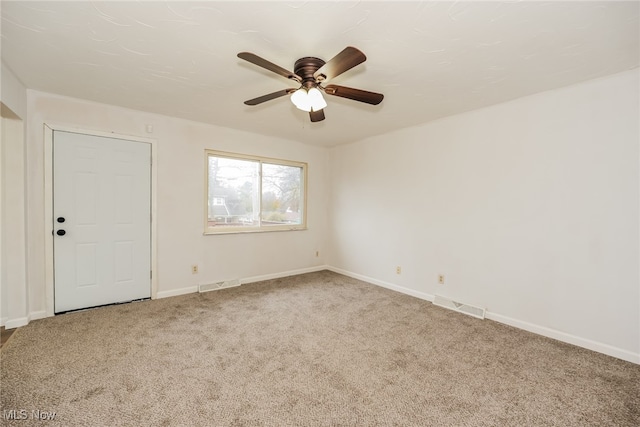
<point>398,270</point>
<point>194,269</point>
<point>441,279</point>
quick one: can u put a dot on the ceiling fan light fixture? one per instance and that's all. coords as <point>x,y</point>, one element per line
<point>300,99</point>
<point>310,100</point>
<point>316,100</point>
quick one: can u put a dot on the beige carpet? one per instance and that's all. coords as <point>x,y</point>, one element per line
<point>318,349</point>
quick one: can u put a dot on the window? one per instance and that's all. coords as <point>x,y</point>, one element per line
<point>249,193</point>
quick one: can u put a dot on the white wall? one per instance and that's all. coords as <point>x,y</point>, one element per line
<point>12,92</point>
<point>180,196</point>
<point>13,274</point>
<point>529,208</point>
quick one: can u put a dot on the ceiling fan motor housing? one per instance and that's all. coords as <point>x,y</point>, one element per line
<point>305,68</point>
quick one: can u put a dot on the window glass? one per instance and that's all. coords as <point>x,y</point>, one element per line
<point>247,193</point>
<point>281,187</point>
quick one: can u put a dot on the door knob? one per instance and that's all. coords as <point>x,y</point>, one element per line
<point>60,219</point>
<point>61,232</point>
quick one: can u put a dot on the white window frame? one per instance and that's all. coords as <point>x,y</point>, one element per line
<point>221,229</point>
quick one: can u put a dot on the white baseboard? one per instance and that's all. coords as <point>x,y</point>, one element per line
<point>37,315</point>
<point>16,323</point>
<point>567,338</point>
<point>176,292</point>
<point>283,274</point>
<point>393,287</point>
<point>23,321</point>
<point>193,289</point>
<point>520,324</point>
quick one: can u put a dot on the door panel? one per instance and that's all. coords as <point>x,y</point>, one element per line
<point>102,189</point>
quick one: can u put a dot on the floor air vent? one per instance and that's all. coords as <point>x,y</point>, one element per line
<point>459,307</point>
<point>218,285</point>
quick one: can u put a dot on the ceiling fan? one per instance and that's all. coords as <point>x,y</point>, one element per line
<point>311,73</point>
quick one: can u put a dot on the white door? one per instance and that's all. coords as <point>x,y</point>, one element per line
<point>101,220</point>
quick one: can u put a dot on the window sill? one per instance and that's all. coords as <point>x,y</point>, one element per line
<point>253,230</point>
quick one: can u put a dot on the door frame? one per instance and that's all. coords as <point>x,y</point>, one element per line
<point>49,128</point>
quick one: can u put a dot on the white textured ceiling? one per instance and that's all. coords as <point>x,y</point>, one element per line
<point>429,59</point>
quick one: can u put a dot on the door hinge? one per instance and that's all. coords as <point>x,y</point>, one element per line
<point>151,274</point>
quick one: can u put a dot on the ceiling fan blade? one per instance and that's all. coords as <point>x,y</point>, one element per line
<point>355,94</point>
<point>317,116</point>
<point>344,61</point>
<point>269,97</point>
<point>261,62</point>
